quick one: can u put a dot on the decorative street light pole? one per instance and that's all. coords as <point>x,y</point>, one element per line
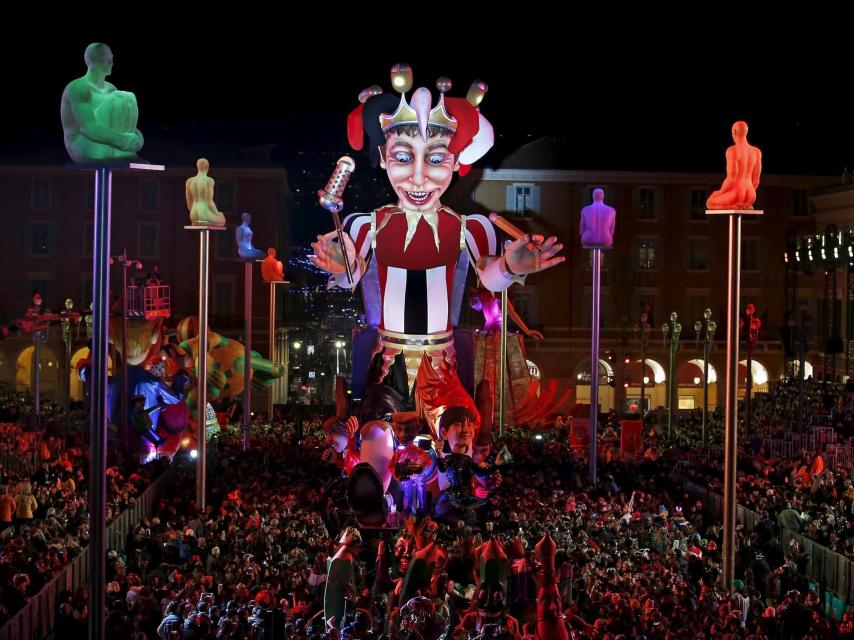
<point>39,338</point>
<point>126,263</point>
<point>705,331</point>
<point>753,325</point>
<point>69,318</point>
<point>338,346</point>
<point>642,331</point>
<point>672,331</point>
<point>804,335</point>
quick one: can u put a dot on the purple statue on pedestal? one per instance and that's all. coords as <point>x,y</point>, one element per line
<point>597,222</point>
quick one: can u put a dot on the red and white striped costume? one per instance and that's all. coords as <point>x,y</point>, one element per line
<point>412,267</point>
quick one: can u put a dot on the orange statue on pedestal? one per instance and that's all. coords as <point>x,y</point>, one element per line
<point>271,269</point>
<point>743,166</point>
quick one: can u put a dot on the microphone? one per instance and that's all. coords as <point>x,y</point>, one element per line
<point>330,197</point>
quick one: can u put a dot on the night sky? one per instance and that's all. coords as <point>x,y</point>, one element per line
<point>649,103</point>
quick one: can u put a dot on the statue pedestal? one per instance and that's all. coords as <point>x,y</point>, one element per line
<point>204,232</point>
<point>734,212</point>
<point>126,165</point>
<point>100,350</point>
<point>596,255</point>
<point>271,346</point>
<point>247,345</point>
<point>731,411</point>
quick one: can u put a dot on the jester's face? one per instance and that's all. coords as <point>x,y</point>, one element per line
<point>419,171</point>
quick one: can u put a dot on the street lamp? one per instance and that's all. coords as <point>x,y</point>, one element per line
<point>126,264</point>
<point>753,325</point>
<point>801,333</point>
<point>68,318</point>
<point>642,331</point>
<point>338,346</point>
<point>39,338</point>
<point>672,331</point>
<point>705,331</point>
<point>88,321</point>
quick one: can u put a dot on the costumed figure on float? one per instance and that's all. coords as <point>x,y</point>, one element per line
<point>411,257</point>
<point>157,414</point>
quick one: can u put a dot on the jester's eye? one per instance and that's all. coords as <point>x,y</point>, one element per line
<point>402,157</point>
<point>436,158</point>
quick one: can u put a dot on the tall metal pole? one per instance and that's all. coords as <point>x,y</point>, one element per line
<point>748,384</point>
<point>643,379</point>
<point>644,329</point>
<point>202,390</point>
<point>731,419</point>
<point>849,320</point>
<point>502,374</point>
<point>271,347</point>
<point>709,326</point>
<point>98,412</point>
<point>284,354</point>
<point>247,352</point>
<point>37,375</point>
<point>67,341</point>
<point>67,385</point>
<point>125,400</point>
<point>802,360</point>
<point>670,388</point>
<point>706,344</point>
<point>833,273</point>
<point>675,329</point>
<point>594,362</point>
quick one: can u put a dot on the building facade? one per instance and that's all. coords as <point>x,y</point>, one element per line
<point>668,256</point>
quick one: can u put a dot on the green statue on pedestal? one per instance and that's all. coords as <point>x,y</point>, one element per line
<point>98,120</point>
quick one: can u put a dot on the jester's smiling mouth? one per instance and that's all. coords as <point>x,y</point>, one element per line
<point>418,197</point>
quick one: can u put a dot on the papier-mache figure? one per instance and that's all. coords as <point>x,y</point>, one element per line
<point>411,257</point>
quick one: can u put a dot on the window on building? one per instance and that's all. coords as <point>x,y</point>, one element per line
<point>41,239</point>
<point>750,254</point>
<point>40,194</point>
<point>646,254</point>
<point>698,254</point>
<point>149,195</point>
<point>698,204</point>
<point>523,199</point>
<point>148,242</point>
<point>800,203</point>
<point>224,196</point>
<point>646,204</point>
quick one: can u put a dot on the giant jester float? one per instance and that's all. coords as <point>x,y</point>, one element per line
<point>411,258</point>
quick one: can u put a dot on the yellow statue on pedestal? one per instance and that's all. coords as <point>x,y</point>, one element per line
<point>200,192</point>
